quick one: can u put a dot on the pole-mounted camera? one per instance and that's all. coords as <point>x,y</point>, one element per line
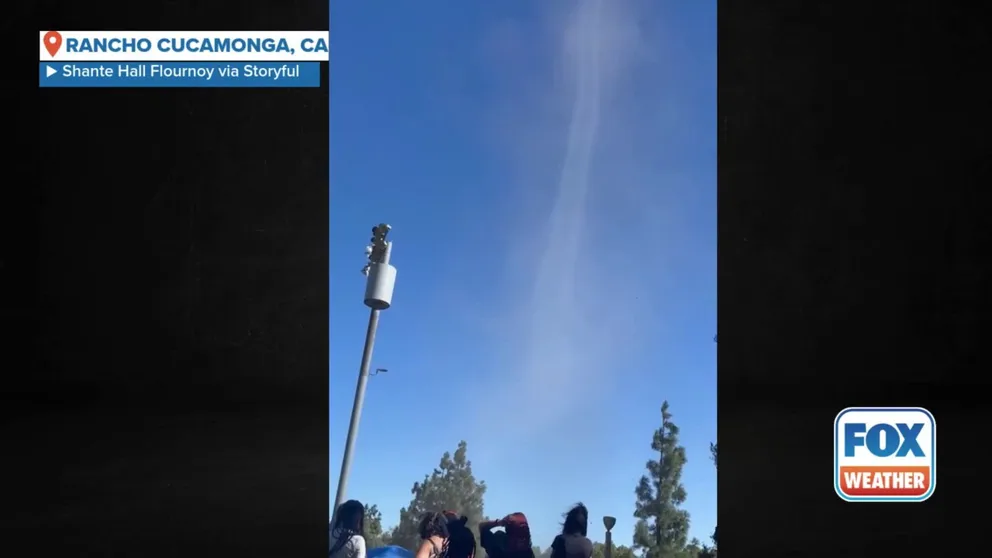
<point>379,283</point>
<point>378,249</point>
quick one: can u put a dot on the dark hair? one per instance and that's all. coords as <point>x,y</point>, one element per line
<point>351,517</point>
<point>348,522</point>
<point>433,524</point>
<point>576,521</point>
<point>521,553</point>
<point>518,540</point>
<point>461,541</point>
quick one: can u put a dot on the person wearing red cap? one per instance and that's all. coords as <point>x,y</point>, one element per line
<point>515,542</point>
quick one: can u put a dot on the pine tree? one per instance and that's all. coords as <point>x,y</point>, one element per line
<point>451,486</point>
<point>373,526</point>
<point>713,551</point>
<point>662,527</point>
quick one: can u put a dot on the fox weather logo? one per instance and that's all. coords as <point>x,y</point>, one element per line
<point>885,454</point>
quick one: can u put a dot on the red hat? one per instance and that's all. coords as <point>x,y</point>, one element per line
<point>517,532</point>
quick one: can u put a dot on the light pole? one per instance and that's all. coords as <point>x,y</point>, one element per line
<point>608,522</point>
<point>381,278</point>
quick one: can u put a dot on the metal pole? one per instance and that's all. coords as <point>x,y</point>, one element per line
<point>356,410</point>
<point>609,522</point>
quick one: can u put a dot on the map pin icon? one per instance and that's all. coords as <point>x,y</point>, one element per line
<point>53,42</point>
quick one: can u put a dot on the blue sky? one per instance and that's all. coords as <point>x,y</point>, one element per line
<point>549,171</point>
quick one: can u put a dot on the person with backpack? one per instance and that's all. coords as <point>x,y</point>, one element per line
<point>446,535</point>
<point>494,542</point>
<point>433,535</point>
<point>514,542</point>
<point>573,542</point>
<point>461,540</point>
<point>347,535</point>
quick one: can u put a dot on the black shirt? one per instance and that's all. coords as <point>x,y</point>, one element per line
<point>571,546</point>
<point>493,543</point>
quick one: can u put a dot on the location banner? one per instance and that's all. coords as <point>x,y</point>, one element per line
<point>122,59</point>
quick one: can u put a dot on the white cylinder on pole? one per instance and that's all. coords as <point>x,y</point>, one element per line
<point>379,286</point>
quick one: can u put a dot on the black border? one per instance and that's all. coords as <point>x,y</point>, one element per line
<point>170,259</point>
<point>851,165</point>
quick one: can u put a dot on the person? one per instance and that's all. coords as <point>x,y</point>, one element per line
<point>461,541</point>
<point>494,542</point>
<point>514,542</point>
<point>573,542</point>
<point>347,535</point>
<point>433,535</point>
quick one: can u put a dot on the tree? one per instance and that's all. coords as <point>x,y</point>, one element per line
<point>707,551</point>
<point>697,550</point>
<point>373,527</point>
<point>599,551</point>
<point>693,549</point>
<point>662,526</point>
<point>451,486</point>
